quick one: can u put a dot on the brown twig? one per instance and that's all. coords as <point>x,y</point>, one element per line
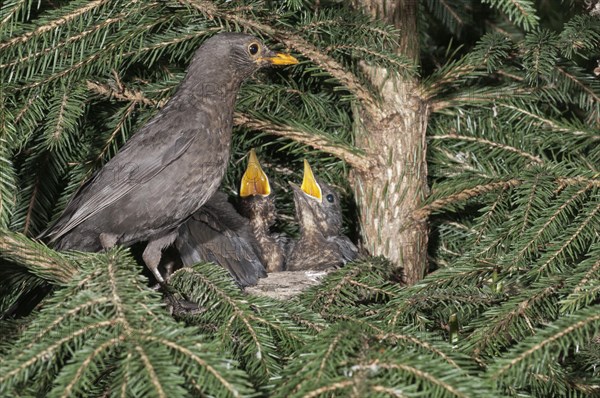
<point>341,151</point>
<point>355,160</point>
<point>425,211</point>
<point>454,136</point>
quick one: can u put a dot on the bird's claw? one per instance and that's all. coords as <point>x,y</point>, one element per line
<point>178,306</point>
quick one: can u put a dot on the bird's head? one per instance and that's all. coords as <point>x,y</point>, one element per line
<point>238,53</point>
<point>250,54</point>
<point>255,193</point>
<point>317,205</point>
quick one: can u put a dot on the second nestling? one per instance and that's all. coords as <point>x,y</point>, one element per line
<point>321,244</point>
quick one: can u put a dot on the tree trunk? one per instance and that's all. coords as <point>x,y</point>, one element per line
<point>393,135</point>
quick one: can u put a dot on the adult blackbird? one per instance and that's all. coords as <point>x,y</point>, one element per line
<point>173,164</point>
<point>321,244</point>
<point>256,203</point>
<point>218,233</point>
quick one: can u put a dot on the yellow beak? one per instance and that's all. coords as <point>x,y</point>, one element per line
<point>281,59</point>
<point>254,180</point>
<point>309,183</point>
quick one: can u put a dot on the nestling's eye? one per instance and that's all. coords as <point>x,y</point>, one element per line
<point>330,198</point>
<point>253,48</point>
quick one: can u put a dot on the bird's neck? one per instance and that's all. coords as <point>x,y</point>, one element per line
<point>260,228</point>
<point>208,82</point>
<point>218,94</point>
<point>311,233</point>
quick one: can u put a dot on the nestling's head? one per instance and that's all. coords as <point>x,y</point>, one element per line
<point>255,194</point>
<point>317,205</point>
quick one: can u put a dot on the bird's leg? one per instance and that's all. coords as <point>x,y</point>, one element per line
<point>108,240</point>
<point>153,253</point>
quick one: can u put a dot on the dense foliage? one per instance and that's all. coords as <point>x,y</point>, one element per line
<point>510,307</point>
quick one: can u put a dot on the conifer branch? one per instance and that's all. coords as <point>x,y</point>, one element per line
<point>532,242</point>
<point>331,294</point>
<point>50,350</point>
<point>94,57</point>
<point>113,135</point>
<point>530,201</point>
<point>586,287</point>
<point>25,107</point>
<point>587,277</point>
<point>30,207</point>
<point>392,392</point>
<point>329,388</point>
<point>446,76</point>
<point>179,348</point>
<point>332,66</point>
<point>123,94</point>
<point>457,18</point>
<point>63,20</point>
<point>590,219</point>
<point>550,339</point>
<point>419,343</point>
<point>78,310</point>
<point>438,204</point>
<point>520,12</point>
<point>114,342</point>
<point>493,331</point>
<point>243,327</point>
<point>61,44</point>
<point>594,97</point>
<point>416,372</point>
<point>550,123</point>
<point>10,13</point>
<point>37,258</point>
<point>493,144</point>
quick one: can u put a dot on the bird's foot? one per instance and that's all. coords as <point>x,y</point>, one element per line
<point>177,305</point>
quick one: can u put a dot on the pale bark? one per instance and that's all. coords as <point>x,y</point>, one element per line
<point>393,135</point>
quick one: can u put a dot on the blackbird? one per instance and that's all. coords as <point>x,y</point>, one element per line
<point>173,164</point>
<point>256,203</point>
<point>218,233</point>
<point>321,244</point>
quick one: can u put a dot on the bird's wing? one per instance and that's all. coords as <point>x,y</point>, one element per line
<point>141,159</point>
<point>217,233</point>
<point>347,249</point>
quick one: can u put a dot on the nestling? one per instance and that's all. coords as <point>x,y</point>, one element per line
<point>256,203</point>
<point>321,244</point>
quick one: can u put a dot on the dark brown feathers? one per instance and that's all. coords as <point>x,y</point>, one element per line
<point>173,164</point>
<point>217,233</point>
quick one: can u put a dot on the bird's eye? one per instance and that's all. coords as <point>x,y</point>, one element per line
<point>253,48</point>
<point>330,198</point>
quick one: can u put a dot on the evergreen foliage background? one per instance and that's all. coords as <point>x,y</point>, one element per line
<point>511,308</point>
